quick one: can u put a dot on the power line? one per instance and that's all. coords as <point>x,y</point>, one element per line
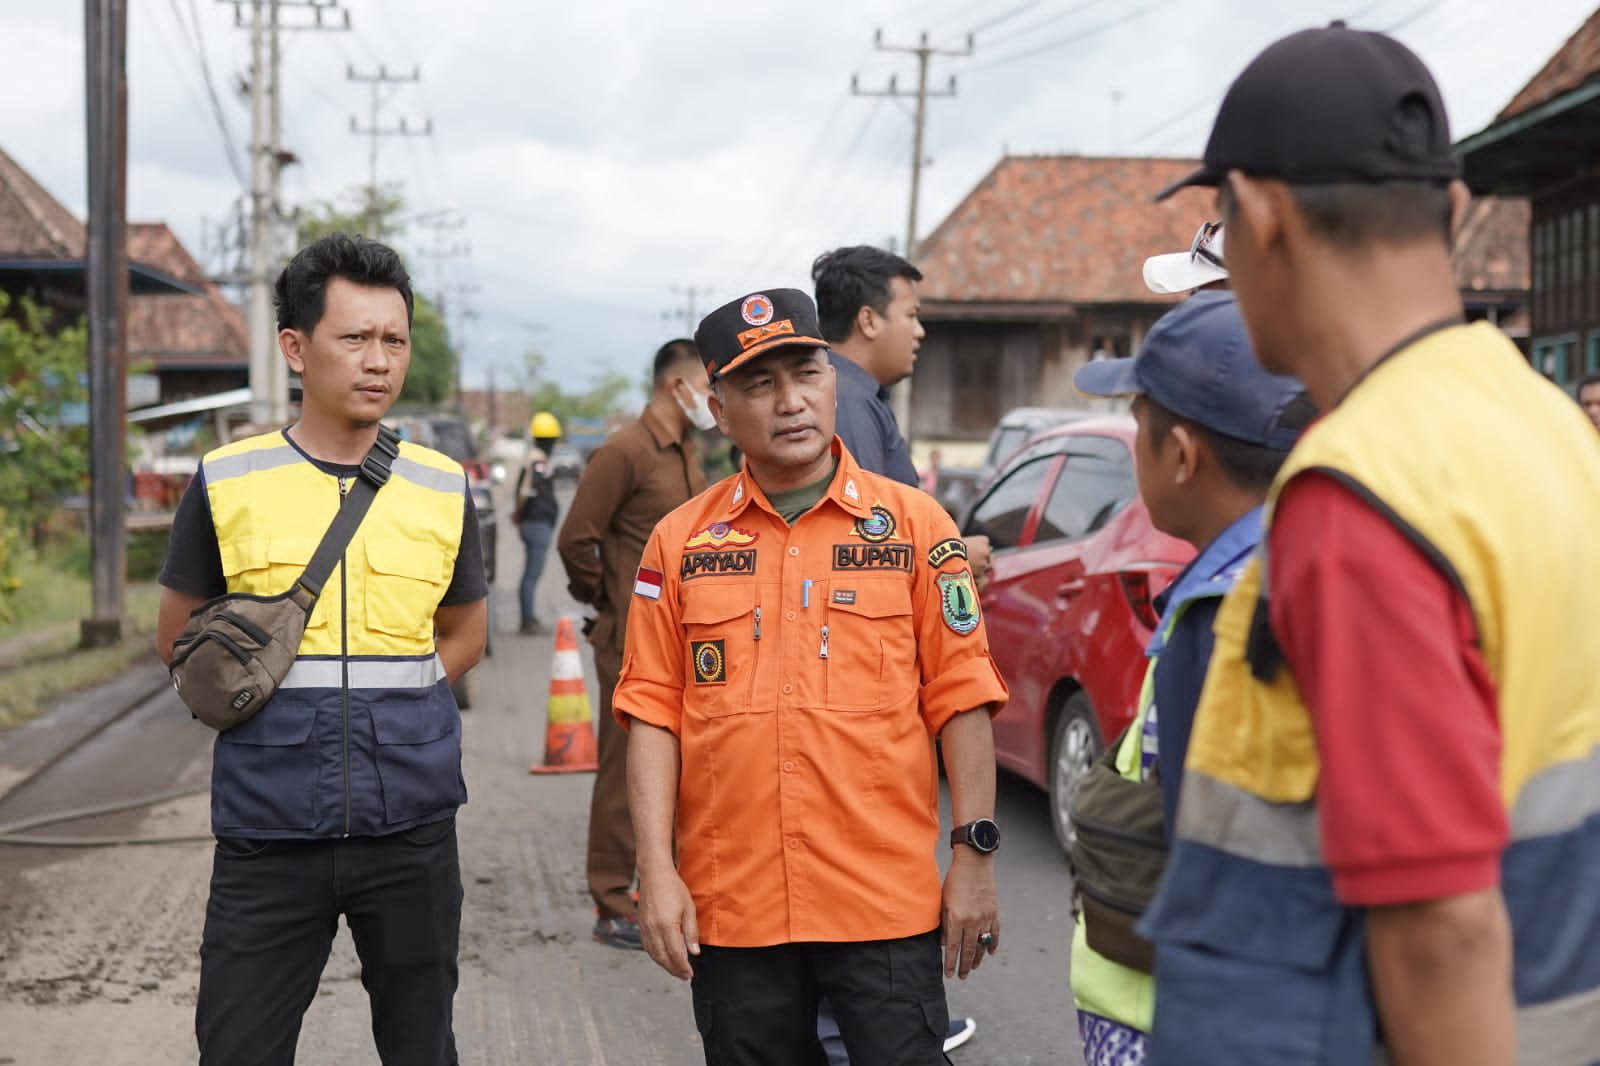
<point>1033,28</point>
<point>1072,38</point>
<point>197,44</point>
<point>1004,16</point>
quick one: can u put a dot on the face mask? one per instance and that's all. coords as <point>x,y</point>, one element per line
<point>699,413</point>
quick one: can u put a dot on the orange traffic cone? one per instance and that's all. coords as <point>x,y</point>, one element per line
<point>569,745</point>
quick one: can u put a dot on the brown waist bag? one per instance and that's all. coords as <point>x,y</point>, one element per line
<point>235,650</point>
<point>1118,854</point>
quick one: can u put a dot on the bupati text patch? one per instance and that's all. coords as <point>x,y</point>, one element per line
<point>872,557</point>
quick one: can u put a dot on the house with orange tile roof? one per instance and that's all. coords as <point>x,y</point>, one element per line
<point>1545,146</point>
<point>1040,268</point>
<point>180,326</point>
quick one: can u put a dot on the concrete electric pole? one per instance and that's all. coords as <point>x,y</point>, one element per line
<point>106,39</point>
<point>924,52</point>
<point>688,313</point>
<point>373,132</point>
<point>269,374</point>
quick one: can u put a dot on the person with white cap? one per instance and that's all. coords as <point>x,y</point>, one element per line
<point>1201,267</point>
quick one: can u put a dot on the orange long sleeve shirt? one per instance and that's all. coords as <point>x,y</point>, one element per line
<point>806,671</point>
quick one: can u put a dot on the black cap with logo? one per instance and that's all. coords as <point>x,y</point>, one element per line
<point>742,329</point>
<point>1331,106</point>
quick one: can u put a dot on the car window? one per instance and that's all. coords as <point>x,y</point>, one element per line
<point>1003,511</point>
<point>1006,441</point>
<point>1096,483</point>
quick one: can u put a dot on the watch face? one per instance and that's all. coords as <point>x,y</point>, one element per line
<point>986,835</point>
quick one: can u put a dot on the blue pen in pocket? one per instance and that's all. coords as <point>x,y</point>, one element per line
<point>805,593</point>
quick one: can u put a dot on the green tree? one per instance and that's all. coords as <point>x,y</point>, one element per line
<point>432,376</point>
<point>43,454</point>
<point>609,393</point>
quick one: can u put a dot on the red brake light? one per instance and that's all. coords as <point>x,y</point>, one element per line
<point>1140,596</point>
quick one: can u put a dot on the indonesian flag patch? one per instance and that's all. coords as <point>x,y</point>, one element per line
<point>647,584</point>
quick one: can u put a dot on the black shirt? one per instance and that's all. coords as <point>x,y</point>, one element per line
<point>194,558</point>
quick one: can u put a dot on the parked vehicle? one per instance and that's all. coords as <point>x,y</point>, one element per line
<point>1016,428</point>
<point>566,461</point>
<point>1069,607</point>
<point>448,433</point>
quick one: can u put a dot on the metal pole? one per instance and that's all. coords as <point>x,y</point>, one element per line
<point>278,403</point>
<point>106,26</point>
<point>900,395</point>
<point>372,163</point>
<point>260,310</point>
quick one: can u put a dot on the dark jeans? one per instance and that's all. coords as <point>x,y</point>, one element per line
<point>758,1006</point>
<point>270,922</point>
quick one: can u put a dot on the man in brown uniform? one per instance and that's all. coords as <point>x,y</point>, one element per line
<point>642,471</point>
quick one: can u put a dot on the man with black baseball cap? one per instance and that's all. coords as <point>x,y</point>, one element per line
<point>1388,795</point>
<point>800,634</point>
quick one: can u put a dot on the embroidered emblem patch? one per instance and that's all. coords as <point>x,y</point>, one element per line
<point>721,535</point>
<point>958,601</point>
<point>710,665</point>
<point>945,550</point>
<point>850,490</point>
<point>877,529</point>
<point>756,310</point>
<point>647,584</point>
<point>738,492</point>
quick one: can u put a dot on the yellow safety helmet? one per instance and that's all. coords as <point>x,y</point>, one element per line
<point>544,424</point>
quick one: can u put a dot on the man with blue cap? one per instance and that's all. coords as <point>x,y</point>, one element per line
<point>1213,430</point>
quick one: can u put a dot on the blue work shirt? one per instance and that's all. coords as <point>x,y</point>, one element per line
<point>1185,653</point>
<point>865,422</point>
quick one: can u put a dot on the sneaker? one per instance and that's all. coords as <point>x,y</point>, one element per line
<point>619,933</point>
<point>961,1030</point>
<point>531,628</point>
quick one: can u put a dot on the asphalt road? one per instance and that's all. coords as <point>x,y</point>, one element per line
<point>98,946</point>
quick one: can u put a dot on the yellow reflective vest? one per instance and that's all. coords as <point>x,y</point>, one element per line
<point>1495,475</point>
<point>363,738</point>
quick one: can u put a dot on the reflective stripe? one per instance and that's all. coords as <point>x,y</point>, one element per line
<point>1563,1032</point>
<point>427,476</point>
<point>1557,799</point>
<point>1232,820</point>
<point>366,673</point>
<point>230,466</point>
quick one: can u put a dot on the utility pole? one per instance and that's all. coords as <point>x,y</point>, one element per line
<point>106,42</point>
<point>687,314</point>
<point>269,373</point>
<point>464,314</point>
<point>901,394</point>
<point>443,222</point>
<point>373,132</point>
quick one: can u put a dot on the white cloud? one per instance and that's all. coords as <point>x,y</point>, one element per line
<point>605,152</point>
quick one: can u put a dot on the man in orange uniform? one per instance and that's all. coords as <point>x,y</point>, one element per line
<point>800,634</point>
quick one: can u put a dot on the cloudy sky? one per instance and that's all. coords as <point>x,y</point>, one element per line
<point>608,157</point>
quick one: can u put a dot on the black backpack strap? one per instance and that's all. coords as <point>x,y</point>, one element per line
<point>357,501</point>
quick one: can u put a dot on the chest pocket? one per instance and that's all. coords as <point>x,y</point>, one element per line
<point>404,583</point>
<point>263,566</point>
<point>872,645</point>
<point>720,649</point>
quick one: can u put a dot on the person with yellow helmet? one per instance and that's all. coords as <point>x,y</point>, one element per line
<point>535,514</point>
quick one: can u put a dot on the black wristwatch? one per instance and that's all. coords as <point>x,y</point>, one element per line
<point>982,835</point>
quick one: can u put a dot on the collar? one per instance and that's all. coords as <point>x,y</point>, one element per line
<point>658,430</point>
<point>1211,573</point>
<point>857,374</point>
<point>848,489</point>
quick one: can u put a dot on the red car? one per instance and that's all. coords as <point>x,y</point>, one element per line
<point>1076,566</point>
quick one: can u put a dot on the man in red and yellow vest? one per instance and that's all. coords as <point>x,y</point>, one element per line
<point>1389,833</point>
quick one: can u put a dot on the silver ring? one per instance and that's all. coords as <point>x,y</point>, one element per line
<point>985,939</point>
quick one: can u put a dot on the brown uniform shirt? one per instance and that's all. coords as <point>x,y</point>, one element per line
<point>640,474</point>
